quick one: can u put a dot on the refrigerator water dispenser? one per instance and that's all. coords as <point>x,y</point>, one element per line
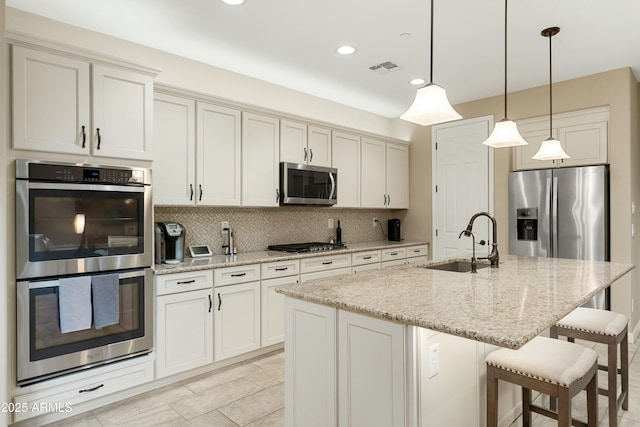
<point>527,223</point>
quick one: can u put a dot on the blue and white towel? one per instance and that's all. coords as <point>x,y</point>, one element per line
<point>74,303</point>
<point>106,300</point>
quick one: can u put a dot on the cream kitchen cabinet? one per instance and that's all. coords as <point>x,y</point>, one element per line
<point>197,156</point>
<point>393,257</point>
<point>417,254</point>
<point>301,143</point>
<point>236,318</point>
<point>583,135</point>
<point>319,267</point>
<point>365,261</point>
<point>91,107</point>
<point>272,310</point>
<point>345,155</point>
<point>385,175</point>
<point>260,160</point>
<point>184,322</point>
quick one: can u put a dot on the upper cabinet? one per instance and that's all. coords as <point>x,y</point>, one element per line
<point>301,143</point>
<point>197,155</point>
<point>583,135</point>
<point>385,175</point>
<point>345,154</point>
<point>90,108</point>
<point>260,160</point>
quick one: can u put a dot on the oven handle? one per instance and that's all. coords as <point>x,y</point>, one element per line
<point>128,188</point>
<point>56,283</point>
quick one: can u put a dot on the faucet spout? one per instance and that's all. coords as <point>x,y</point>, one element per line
<point>493,257</point>
<point>474,261</point>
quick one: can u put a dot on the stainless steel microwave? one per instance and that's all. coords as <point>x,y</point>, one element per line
<point>302,184</point>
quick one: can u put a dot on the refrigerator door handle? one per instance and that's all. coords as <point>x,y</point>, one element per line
<point>554,216</point>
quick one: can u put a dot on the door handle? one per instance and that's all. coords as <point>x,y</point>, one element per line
<point>191,190</point>
<point>388,200</point>
<point>305,153</point>
<point>333,186</point>
<point>84,137</point>
<point>210,303</point>
<point>219,301</point>
<point>277,195</point>
<point>311,155</point>
<point>200,185</point>
<point>99,137</point>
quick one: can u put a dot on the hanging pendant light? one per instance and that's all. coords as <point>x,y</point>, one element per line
<point>431,105</point>
<point>505,133</point>
<point>550,148</point>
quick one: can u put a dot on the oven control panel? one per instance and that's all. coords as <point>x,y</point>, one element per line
<point>84,174</point>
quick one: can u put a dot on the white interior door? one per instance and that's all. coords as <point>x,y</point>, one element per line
<point>463,185</point>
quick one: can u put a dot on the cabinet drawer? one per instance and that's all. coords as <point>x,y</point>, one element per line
<point>369,257</point>
<point>391,254</point>
<point>366,267</point>
<point>181,282</point>
<point>414,251</point>
<point>393,263</point>
<point>324,274</point>
<point>323,263</point>
<point>83,386</point>
<point>272,270</point>
<point>232,275</point>
<point>417,260</point>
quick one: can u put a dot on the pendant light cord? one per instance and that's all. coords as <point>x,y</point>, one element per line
<point>550,92</point>
<point>431,50</point>
<point>505,59</point>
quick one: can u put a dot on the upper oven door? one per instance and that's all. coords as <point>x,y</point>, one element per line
<point>64,228</point>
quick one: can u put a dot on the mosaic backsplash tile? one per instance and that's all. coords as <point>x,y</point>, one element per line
<point>256,228</point>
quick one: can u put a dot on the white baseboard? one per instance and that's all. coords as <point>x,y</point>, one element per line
<point>634,334</point>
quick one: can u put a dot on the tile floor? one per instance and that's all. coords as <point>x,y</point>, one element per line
<point>252,394</point>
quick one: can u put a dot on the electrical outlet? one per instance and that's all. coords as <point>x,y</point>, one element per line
<point>374,221</point>
<point>224,224</point>
<point>330,223</point>
<point>434,360</point>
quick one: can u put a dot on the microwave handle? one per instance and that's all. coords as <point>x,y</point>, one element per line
<point>333,185</point>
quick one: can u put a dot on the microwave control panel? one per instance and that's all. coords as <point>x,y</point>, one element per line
<point>84,174</point>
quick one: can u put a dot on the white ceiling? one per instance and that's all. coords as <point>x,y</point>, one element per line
<point>292,42</point>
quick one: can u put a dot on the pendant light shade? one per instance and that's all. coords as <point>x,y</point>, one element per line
<point>431,105</point>
<point>551,149</point>
<point>505,133</point>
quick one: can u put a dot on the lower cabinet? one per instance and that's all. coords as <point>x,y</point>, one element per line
<point>184,337</point>
<point>272,310</point>
<point>236,319</point>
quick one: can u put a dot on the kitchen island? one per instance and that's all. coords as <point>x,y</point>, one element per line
<point>406,346</point>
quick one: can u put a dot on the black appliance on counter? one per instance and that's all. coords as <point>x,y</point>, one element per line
<point>307,247</point>
<point>393,230</point>
<point>169,242</point>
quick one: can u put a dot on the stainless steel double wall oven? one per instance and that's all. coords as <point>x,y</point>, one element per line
<point>85,222</point>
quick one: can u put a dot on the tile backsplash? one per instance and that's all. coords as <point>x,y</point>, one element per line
<point>257,228</point>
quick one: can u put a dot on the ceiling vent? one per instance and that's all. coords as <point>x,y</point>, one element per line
<point>384,68</point>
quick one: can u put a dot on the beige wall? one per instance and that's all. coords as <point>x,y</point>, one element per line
<point>5,357</point>
<point>619,90</point>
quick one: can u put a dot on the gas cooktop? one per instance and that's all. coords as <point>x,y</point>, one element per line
<point>307,247</point>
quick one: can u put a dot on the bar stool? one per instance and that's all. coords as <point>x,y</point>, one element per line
<point>557,368</point>
<point>608,328</point>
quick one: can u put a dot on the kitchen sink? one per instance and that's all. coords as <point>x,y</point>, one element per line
<point>457,266</point>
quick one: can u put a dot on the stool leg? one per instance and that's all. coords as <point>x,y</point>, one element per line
<point>492,397</point>
<point>564,407</point>
<point>553,402</point>
<point>592,401</point>
<point>612,375</point>
<point>526,407</point>
<point>624,370</point>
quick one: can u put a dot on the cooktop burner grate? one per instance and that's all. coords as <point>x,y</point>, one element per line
<point>307,247</point>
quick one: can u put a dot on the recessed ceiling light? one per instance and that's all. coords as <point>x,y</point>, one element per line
<point>346,50</point>
<point>418,82</point>
<point>233,2</point>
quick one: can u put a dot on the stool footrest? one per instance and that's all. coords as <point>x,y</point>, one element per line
<point>551,414</point>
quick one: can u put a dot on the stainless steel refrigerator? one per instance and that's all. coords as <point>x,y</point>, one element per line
<point>562,213</point>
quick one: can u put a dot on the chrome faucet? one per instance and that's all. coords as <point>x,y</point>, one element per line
<point>474,261</point>
<point>494,257</point>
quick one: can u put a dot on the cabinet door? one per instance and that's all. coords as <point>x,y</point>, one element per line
<point>373,185</point>
<point>55,122</point>
<point>218,156</point>
<point>371,390</point>
<point>523,154</point>
<point>345,156</point>
<point>122,113</point>
<point>585,143</point>
<point>184,331</point>
<point>236,320</point>
<point>319,144</point>
<point>272,310</point>
<point>397,176</point>
<point>174,140</point>
<point>293,142</point>
<point>260,160</point>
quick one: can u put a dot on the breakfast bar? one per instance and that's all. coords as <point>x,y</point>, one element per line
<point>406,346</point>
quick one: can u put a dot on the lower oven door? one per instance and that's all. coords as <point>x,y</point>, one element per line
<point>43,351</point>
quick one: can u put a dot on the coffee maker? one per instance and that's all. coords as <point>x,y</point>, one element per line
<point>169,242</point>
<point>393,230</point>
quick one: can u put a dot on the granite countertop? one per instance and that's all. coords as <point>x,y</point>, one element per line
<point>507,306</point>
<point>218,261</point>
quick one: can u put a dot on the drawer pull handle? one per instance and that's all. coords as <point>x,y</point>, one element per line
<point>187,282</point>
<point>415,251</point>
<point>88,390</point>
<point>327,263</point>
<point>210,303</point>
<point>393,253</point>
<point>282,269</point>
<point>239,275</point>
<point>366,257</point>
<point>219,301</point>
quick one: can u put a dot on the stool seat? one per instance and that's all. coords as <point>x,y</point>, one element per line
<point>595,321</point>
<point>556,362</point>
